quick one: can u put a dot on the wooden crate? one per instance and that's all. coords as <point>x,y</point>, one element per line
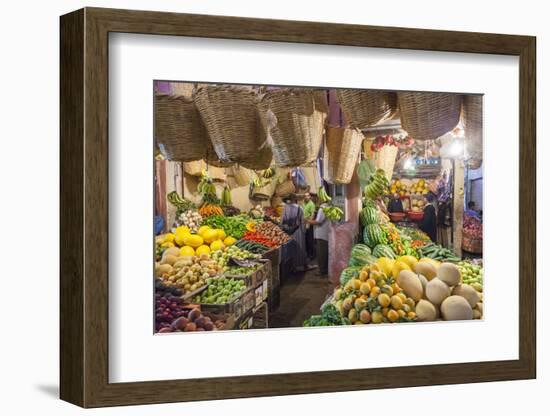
<point>260,317</point>
<point>238,306</point>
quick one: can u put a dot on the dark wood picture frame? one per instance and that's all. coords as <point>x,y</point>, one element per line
<point>84,207</point>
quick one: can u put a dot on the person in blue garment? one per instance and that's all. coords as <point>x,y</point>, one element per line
<point>471,211</point>
<point>293,223</point>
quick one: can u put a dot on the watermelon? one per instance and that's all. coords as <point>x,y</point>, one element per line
<point>383,250</point>
<point>369,215</point>
<point>374,235</point>
<point>360,255</point>
<point>349,273</point>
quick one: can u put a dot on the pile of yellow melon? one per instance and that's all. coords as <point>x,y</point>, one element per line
<point>431,289</point>
<point>206,239</point>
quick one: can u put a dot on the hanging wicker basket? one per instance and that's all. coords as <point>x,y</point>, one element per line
<point>196,168</point>
<point>472,119</point>
<point>427,116</point>
<point>179,130</point>
<point>231,119</point>
<point>285,188</point>
<point>385,159</point>
<point>238,176</point>
<point>366,108</point>
<point>264,193</point>
<point>294,124</point>
<point>342,150</point>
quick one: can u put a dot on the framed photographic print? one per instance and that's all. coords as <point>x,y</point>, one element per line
<point>259,207</point>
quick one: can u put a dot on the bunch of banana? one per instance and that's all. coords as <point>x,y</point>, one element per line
<point>260,182</point>
<point>181,203</point>
<point>333,213</point>
<point>268,173</point>
<point>322,195</point>
<point>226,197</point>
<point>206,185</point>
<point>378,185</point>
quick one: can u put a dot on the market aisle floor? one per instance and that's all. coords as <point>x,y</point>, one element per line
<point>301,296</point>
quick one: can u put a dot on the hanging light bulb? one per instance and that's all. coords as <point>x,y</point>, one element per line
<point>408,163</point>
<point>457,148</point>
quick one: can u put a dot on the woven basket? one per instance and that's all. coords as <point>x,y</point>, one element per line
<point>195,168</point>
<point>366,108</point>
<point>231,120</point>
<point>472,119</point>
<point>285,188</point>
<point>240,176</point>
<point>341,154</point>
<point>179,130</point>
<point>427,116</point>
<point>385,159</point>
<point>265,192</point>
<point>294,125</point>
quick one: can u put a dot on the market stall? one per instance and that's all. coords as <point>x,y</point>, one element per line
<point>377,166</point>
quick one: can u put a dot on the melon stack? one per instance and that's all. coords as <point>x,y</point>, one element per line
<point>439,292</point>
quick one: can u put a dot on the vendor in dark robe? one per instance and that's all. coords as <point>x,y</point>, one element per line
<point>429,221</point>
<point>293,224</point>
<point>395,204</point>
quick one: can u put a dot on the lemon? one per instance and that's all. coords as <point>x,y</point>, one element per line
<point>221,234</point>
<point>187,251</point>
<point>217,245</point>
<point>204,249</point>
<point>385,264</point>
<point>210,236</point>
<point>203,229</point>
<point>229,241</point>
<point>169,237</point>
<point>397,267</point>
<point>182,229</point>
<point>167,244</point>
<point>193,240</point>
<point>408,260</point>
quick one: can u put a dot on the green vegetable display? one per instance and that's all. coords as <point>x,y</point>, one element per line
<point>233,226</point>
<point>329,317</point>
<point>252,246</point>
<point>437,252</point>
<point>220,291</point>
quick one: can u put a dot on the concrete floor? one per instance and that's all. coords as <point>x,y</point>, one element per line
<point>301,296</point>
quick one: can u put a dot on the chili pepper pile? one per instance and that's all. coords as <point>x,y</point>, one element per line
<point>259,238</point>
<point>418,243</point>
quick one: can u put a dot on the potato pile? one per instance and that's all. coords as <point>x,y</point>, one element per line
<point>443,295</point>
<point>374,297</point>
<point>188,273</point>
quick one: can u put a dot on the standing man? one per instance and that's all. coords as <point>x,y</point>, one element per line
<point>321,224</point>
<point>309,213</point>
<point>294,225</point>
<point>429,221</point>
